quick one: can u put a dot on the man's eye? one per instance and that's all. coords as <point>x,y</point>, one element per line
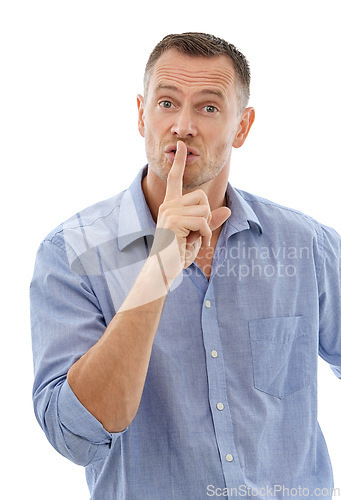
<point>210,109</point>
<point>166,104</point>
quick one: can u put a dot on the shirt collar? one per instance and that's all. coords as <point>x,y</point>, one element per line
<point>242,215</point>
<point>136,221</point>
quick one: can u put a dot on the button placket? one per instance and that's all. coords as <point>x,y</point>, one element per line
<point>216,375</point>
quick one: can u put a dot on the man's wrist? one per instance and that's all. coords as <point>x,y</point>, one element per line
<point>151,284</point>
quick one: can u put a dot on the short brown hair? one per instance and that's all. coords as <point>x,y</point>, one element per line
<point>204,45</point>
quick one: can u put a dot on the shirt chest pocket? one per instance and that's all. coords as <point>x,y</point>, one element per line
<point>280,355</point>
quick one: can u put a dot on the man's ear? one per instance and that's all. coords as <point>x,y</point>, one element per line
<point>140,108</point>
<point>247,119</point>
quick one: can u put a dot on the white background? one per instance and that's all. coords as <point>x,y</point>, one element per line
<point>70,72</point>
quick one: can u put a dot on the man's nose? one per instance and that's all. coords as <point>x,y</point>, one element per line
<point>184,123</point>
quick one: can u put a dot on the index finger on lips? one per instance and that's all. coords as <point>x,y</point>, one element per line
<point>176,173</point>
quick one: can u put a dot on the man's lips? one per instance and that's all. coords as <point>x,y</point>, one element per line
<point>192,153</point>
<point>172,148</point>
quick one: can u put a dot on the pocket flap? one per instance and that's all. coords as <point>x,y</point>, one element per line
<point>280,330</point>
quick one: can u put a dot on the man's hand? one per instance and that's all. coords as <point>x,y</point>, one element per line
<point>187,217</point>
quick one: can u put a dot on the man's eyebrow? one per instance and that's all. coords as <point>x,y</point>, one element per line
<point>163,86</point>
<point>215,92</point>
<point>208,91</point>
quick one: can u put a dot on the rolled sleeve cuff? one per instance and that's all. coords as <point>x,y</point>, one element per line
<point>79,421</point>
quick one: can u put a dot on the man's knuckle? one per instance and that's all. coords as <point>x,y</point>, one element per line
<point>164,208</point>
<point>171,218</point>
<point>202,194</point>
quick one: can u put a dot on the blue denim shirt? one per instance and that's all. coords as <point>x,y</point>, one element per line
<point>229,405</point>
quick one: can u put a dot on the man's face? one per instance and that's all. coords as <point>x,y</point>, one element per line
<point>193,99</point>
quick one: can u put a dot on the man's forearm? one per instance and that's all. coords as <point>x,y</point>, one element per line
<point>109,379</point>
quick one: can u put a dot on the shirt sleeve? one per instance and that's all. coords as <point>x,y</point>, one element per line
<point>330,301</point>
<point>66,322</point>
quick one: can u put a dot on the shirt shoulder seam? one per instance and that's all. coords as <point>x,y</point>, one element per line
<point>57,232</point>
<point>316,226</point>
<point>264,201</point>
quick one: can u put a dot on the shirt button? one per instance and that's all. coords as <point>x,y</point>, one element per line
<point>220,406</point>
<point>207,303</point>
<point>229,457</point>
<point>214,353</point>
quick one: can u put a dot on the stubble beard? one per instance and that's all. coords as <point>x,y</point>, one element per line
<point>160,165</point>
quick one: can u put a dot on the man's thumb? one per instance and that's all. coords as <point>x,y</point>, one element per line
<point>219,216</point>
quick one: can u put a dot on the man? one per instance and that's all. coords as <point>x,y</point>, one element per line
<point>176,326</point>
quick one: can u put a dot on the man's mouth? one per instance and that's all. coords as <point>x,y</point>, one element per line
<point>188,152</point>
<point>192,153</point>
